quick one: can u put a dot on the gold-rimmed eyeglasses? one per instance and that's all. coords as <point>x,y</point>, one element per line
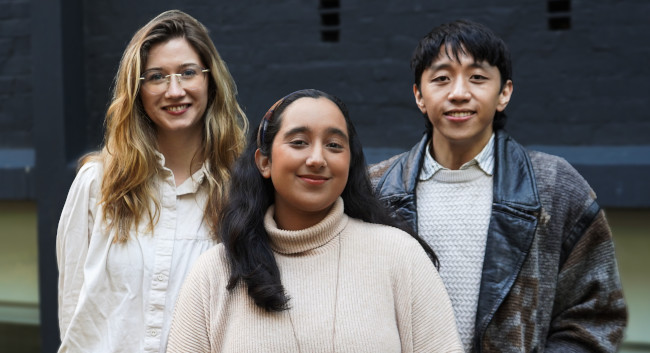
<point>191,78</point>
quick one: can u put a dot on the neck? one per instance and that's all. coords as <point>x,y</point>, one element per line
<point>287,241</point>
<point>182,154</point>
<point>453,154</point>
<point>297,220</point>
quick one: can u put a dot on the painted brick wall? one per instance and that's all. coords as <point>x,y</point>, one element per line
<point>578,86</point>
<point>15,75</point>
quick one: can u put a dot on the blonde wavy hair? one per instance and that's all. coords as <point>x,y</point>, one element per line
<point>129,153</point>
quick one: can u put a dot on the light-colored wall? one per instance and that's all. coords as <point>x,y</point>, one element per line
<point>19,270</point>
<point>18,263</point>
<point>631,229</point>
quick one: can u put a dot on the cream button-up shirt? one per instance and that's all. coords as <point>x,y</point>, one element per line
<point>120,297</point>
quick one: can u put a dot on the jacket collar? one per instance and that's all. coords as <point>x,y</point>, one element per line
<point>514,179</point>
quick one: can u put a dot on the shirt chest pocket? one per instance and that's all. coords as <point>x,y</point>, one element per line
<point>192,226</point>
<point>188,217</point>
<point>200,233</point>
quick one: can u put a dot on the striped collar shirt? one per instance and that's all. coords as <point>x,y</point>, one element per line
<point>484,161</point>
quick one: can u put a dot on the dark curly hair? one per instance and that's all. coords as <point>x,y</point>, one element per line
<point>242,232</point>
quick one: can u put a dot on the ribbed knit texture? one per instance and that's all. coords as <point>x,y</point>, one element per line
<point>390,297</point>
<point>453,216</point>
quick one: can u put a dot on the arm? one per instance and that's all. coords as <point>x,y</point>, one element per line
<point>190,330</point>
<point>433,322</point>
<point>72,239</point>
<point>589,312</point>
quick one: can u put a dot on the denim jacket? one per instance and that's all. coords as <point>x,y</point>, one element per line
<point>550,280</point>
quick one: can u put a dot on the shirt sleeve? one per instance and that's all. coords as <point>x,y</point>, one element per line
<point>72,239</point>
<point>190,329</point>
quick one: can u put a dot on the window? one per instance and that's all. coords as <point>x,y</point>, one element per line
<point>329,20</point>
<point>559,15</point>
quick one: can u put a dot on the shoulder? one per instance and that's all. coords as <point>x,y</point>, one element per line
<point>377,170</point>
<point>399,169</point>
<point>93,169</point>
<point>90,174</point>
<point>383,240</point>
<point>209,269</point>
<point>86,186</point>
<point>555,174</point>
<point>542,160</point>
<point>212,262</point>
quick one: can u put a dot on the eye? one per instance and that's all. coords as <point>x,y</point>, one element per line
<point>189,72</point>
<point>440,78</point>
<point>154,77</point>
<point>298,143</point>
<point>334,145</point>
<point>478,77</point>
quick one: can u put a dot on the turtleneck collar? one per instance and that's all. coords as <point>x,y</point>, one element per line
<point>297,241</point>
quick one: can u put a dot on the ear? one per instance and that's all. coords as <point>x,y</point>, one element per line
<point>504,96</point>
<point>263,164</point>
<point>418,99</point>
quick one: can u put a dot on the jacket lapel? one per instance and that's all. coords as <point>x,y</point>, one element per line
<point>513,222</point>
<point>398,185</point>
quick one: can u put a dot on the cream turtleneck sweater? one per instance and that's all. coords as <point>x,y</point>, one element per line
<point>354,287</point>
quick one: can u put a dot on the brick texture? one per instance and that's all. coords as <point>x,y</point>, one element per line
<point>580,86</point>
<point>15,75</point>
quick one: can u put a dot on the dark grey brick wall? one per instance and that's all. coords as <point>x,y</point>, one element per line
<point>15,75</point>
<point>580,86</point>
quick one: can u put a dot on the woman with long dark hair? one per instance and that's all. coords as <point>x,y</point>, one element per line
<point>310,261</point>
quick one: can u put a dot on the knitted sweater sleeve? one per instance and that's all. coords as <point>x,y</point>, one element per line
<point>433,325</point>
<point>190,330</point>
<point>589,312</point>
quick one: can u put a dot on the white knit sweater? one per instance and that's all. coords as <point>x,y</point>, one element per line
<point>453,217</point>
<point>354,287</point>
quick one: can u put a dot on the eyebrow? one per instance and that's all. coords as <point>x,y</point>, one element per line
<point>178,67</point>
<point>475,65</point>
<point>331,131</point>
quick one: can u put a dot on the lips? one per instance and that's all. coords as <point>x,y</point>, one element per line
<point>459,115</point>
<point>313,179</point>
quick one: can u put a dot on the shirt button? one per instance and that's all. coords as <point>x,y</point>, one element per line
<point>160,277</point>
<point>154,333</point>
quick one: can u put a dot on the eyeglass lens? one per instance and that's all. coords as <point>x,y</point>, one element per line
<point>190,78</point>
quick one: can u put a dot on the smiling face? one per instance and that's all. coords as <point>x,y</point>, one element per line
<point>309,162</point>
<point>178,108</point>
<point>460,98</point>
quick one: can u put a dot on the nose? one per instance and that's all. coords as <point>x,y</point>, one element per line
<point>459,91</point>
<point>316,158</point>
<point>174,87</point>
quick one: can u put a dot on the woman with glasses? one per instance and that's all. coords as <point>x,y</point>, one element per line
<point>310,261</point>
<point>142,209</point>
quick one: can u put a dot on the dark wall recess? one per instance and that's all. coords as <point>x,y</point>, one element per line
<point>330,20</point>
<point>559,15</point>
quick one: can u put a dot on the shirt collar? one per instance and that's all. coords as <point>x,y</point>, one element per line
<point>484,161</point>
<point>192,184</point>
